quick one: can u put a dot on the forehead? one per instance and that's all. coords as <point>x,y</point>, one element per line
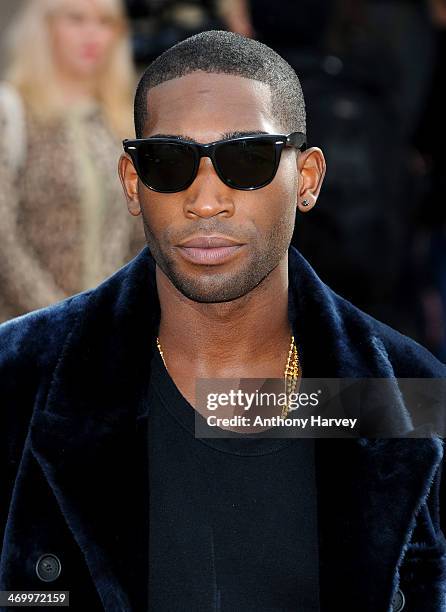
<point>203,105</point>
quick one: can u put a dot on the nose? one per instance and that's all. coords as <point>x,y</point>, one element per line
<point>208,196</point>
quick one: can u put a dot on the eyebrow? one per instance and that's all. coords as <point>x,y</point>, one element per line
<point>225,136</point>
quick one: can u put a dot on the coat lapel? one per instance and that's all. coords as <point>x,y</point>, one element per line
<point>91,443</point>
<point>369,490</point>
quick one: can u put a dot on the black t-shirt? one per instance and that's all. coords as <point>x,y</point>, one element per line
<point>233,521</point>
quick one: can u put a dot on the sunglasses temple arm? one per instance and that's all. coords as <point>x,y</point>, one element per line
<point>297,139</point>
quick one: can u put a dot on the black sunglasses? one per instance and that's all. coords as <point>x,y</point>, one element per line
<point>169,165</point>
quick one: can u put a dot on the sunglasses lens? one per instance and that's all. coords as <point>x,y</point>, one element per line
<point>166,167</point>
<point>246,164</point>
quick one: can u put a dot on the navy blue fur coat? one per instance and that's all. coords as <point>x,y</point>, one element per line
<point>74,458</point>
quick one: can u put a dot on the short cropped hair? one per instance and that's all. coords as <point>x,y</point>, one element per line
<point>217,51</point>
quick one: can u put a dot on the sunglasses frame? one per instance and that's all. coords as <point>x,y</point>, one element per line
<point>295,139</point>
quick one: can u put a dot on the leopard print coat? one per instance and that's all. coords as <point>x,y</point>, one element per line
<point>64,225</point>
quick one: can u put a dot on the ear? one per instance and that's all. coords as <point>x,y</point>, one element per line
<point>311,167</point>
<point>129,181</point>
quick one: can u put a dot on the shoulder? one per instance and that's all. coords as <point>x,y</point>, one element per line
<point>32,342</point>
<point>408,358</point>
<point>13,127</point>
<point>360,344</point>
<point>37,339</point>
<point>11,103</point>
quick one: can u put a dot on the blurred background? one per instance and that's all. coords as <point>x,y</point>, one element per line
<point>372,75</point>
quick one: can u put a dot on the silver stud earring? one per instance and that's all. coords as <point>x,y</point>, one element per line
<point>305,203</point>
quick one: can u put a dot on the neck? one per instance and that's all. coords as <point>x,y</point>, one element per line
<point>246,337</point>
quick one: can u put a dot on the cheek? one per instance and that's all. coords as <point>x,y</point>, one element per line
<point>66,41</point>
<point>106,39</point>
<point>286,180</point>
<point>277,201</point>
<point>57,36</point>
<point>158,215</point>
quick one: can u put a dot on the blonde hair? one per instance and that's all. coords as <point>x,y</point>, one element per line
<point>32,71</point>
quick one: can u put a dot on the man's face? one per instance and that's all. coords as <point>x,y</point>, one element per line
<point>208,107</point>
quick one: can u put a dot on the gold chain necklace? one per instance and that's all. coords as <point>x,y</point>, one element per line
<point>291,373</point>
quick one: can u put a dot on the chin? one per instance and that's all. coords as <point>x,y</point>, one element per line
<point>212,289</point>
<point>88,69</point>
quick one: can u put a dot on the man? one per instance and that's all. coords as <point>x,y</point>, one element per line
<point>109,494</point>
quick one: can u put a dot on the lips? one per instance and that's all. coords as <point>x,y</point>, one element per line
<point>209,250</point>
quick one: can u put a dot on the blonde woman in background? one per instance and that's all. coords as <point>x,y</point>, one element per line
<point>64,107</point>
